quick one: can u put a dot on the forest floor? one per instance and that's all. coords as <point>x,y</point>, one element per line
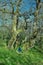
<point>28,57</point>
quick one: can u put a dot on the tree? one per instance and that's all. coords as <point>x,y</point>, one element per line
<point>29,29</point>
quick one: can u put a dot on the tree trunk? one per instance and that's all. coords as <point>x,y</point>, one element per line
<point>14,32</point>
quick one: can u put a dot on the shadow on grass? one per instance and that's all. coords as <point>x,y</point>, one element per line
<point>2,63</point>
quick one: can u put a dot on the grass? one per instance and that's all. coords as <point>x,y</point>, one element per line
<point>11,57</point>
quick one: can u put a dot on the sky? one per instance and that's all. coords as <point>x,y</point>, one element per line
<point>26,6</point>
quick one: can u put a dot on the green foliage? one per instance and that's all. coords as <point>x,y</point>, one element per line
<point>11,57</point>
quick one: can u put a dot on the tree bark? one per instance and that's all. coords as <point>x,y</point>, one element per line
<point>14,26</point>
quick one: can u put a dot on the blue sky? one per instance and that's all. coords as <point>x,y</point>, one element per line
<point>25,6</point>
<point>29,4</point>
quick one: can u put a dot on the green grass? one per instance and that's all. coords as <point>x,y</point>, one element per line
<point>11,57</point>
